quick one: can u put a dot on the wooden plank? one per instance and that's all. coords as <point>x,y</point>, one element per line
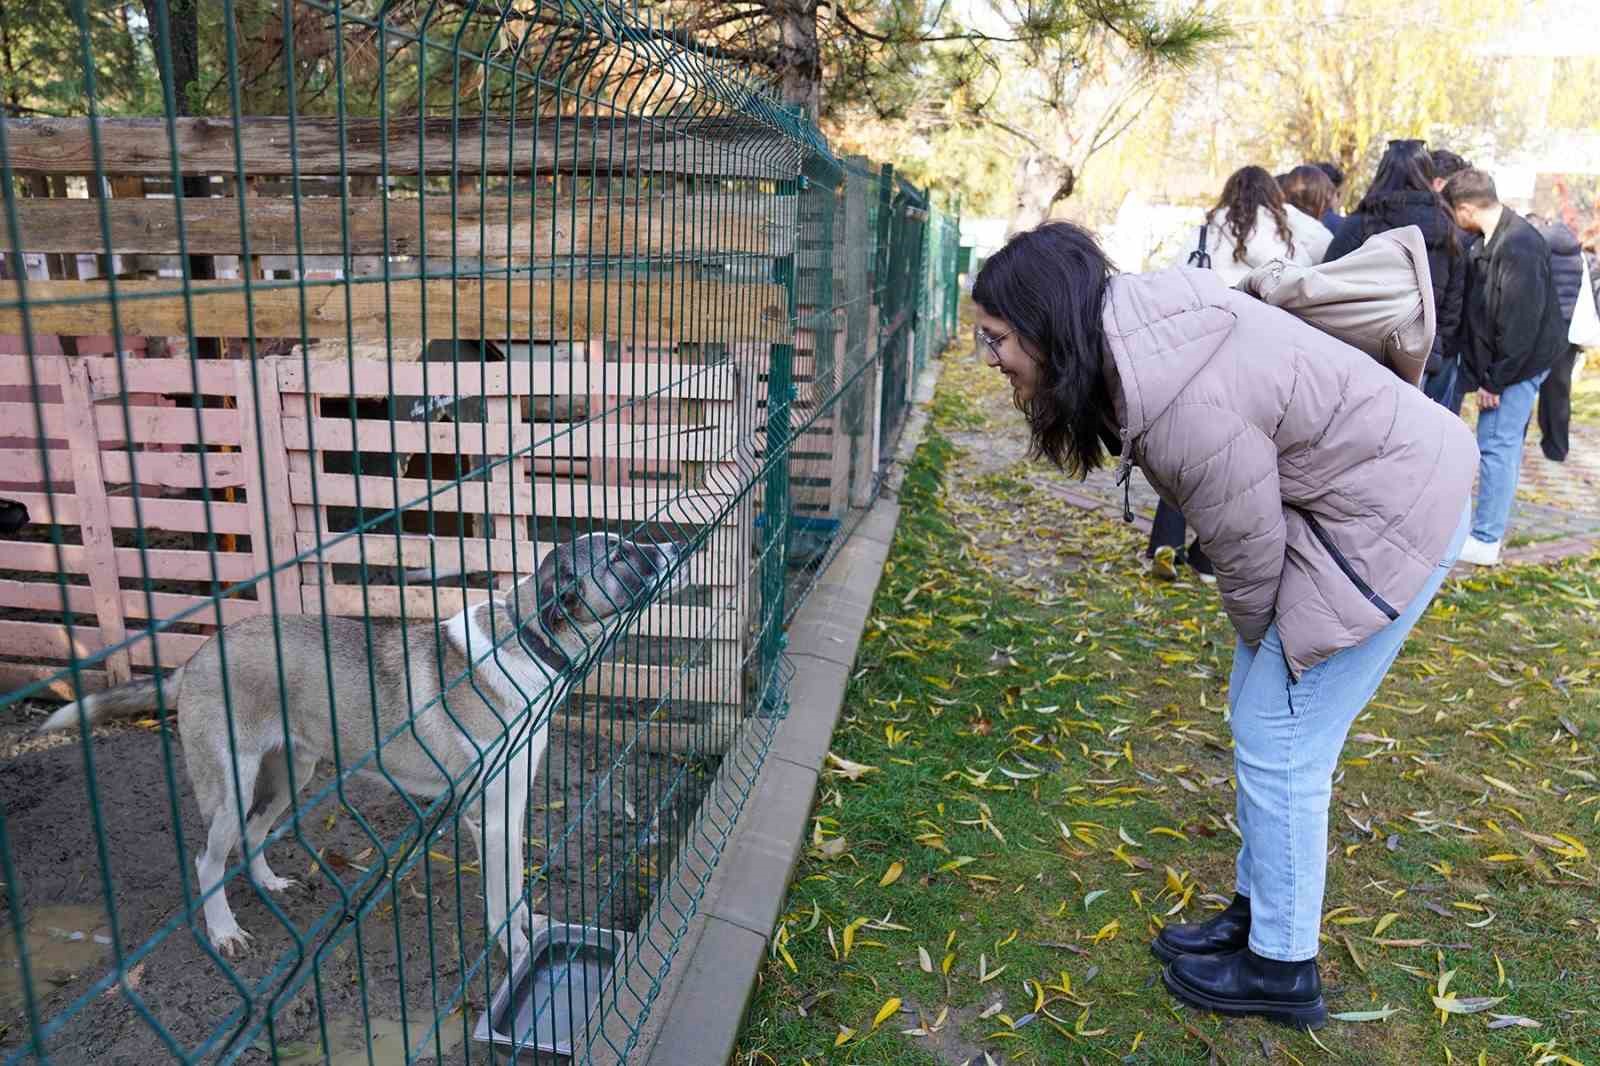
<point>864,441</point>
<point>495,224</point>
<point>642,441</point>
<point>546,499</point>
<point>662,738</point>
<point>578,308</point>
<point>421,602</point>
<point>49,640</point>
<point>475,554</point>
<point>167,470</point>
<point>106,380</point>
<point>603,145</point>
<point>15,675</point>
<point>266,464</point>
<point>634,682</point>
<point>375,377</point>
<point>46,596</point>
<point>165,564</point>
<point>839,465</point>
<point>151,425</point>
<point>182,515</point>
<point>94,517</point>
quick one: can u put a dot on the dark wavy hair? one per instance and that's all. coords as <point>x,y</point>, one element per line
<point>1049,283</point>
<point>1406,167</point>
<point>1308,188</point>
<point>1247,191</point>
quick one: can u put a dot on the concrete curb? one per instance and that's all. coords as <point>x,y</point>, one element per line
<point>700,1006</point>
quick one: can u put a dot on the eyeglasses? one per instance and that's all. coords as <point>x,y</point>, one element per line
<point>993,343</point>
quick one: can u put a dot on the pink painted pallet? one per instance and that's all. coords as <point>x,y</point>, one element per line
<point>819,458</point>
<point>105,472</point>
<point>592,469</point>
<point>491,463</point>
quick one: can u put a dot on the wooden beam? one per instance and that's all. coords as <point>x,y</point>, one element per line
<point>94,518</point>
<point>528,224</point>
<point>495,309</point>
<point>605,146</point>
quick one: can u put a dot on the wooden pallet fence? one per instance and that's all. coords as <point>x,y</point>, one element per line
<point>105,585</point>
<point>501,474</point>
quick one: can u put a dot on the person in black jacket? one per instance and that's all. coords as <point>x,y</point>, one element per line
<point>1453,383</point>
<point>1402,194</point>
<point>1517,335</point>
<point>1555,395</point>
<point>1331,217</point>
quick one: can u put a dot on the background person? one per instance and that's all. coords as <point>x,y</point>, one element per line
<point>1517,335</point>
<point>1402,194</point>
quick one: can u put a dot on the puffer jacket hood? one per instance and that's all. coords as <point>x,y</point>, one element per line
<point>1191,321</point>
<point>1322,487</point>
<point>1446,261</point>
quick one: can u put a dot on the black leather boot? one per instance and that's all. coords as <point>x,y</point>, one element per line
<point>1228,931</point>
<point>1242,982</point>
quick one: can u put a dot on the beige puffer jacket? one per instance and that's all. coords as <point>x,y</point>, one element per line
<point>1323,488</point>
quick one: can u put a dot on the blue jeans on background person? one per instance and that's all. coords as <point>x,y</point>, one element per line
<point>1287,738</point>
<point>1447,386</point>
<point>1500,436</point>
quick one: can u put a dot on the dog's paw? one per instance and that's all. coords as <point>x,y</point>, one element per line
<point>231,943</point>
<point>271,882</point>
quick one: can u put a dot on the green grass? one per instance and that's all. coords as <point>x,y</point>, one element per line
<point>1025,749</point>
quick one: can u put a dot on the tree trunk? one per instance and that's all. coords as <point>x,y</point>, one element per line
<point>799,56</point>
<point>1042,182</point>
<point>182,35</point>
<point>12,95</point>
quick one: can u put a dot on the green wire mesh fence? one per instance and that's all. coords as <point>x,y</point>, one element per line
<point>416,429</point>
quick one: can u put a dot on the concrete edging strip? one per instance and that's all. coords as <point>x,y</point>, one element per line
<point>703,997</point>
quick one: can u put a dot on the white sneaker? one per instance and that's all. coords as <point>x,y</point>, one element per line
<point>1480,552</point>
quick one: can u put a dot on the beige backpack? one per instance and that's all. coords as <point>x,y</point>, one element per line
<point>1379,298</point>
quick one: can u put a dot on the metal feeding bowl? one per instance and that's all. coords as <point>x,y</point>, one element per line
<point>552,994</point>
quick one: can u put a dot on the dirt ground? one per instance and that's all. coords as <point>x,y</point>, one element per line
<point>421,944</point>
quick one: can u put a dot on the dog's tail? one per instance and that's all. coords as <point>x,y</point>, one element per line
<point>123,701</point>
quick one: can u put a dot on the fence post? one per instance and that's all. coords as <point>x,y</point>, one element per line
<point>94,516</point>
<point>775,497</point>
<point>861,328</point>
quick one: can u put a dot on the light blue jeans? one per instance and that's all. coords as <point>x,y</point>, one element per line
<point>1287,737</point>
<point>1500,434</point>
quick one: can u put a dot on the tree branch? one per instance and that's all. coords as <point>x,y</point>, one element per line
<point>1006,127</point>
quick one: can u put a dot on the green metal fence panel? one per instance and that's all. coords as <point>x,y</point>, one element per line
<point>419,424</point>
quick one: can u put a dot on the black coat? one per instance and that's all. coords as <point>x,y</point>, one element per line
<point>1515,317</point>
<point>1566,265</point>
<point>1447,259</point>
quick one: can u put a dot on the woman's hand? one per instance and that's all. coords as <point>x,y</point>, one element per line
<point>1488,401</point>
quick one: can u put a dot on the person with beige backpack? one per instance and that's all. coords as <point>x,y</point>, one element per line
<point>1285,423</point>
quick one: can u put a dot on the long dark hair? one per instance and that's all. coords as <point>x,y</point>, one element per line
<point>1049,283</point>
<point>1406,168</point>
<point>1247,191</point>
